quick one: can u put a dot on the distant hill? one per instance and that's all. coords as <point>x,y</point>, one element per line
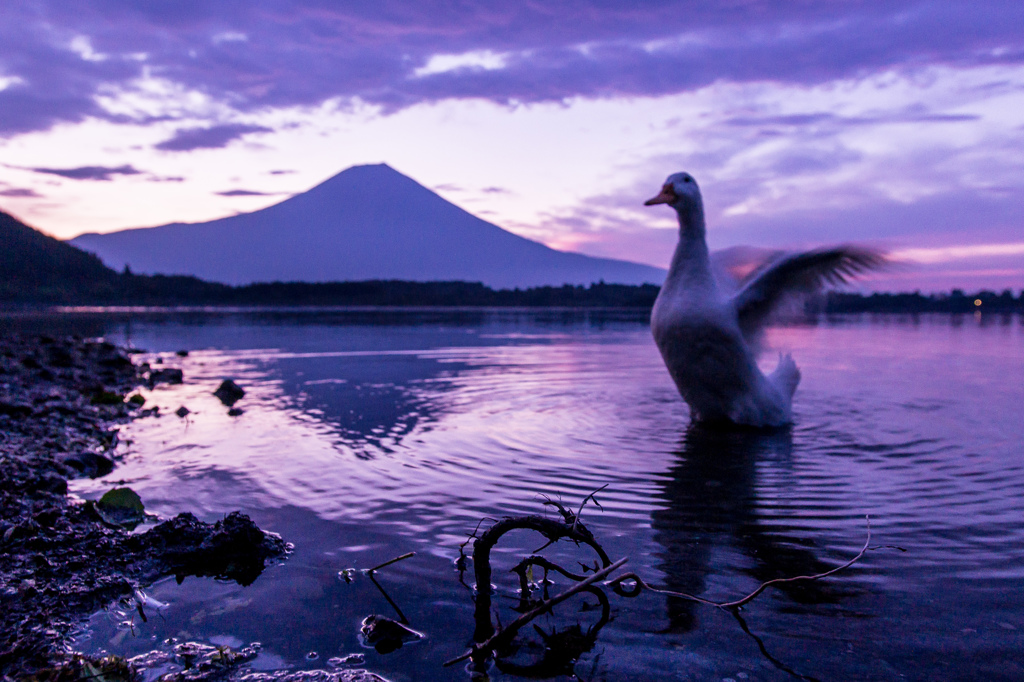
<point>38,268</point>
<point>366,223</point>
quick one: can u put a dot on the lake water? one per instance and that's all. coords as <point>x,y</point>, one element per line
<point>366,435</point>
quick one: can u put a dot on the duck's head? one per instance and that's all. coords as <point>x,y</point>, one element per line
<point>680,191</point>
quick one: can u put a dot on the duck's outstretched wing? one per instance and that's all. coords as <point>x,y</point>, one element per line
<point>802,273</point>
<point>733,267</point>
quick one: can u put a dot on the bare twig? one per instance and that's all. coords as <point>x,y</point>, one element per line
<point>544,546</point>
<point>567,514</point>
<point>584,502</point>
<point>370,571</point>
<point>640,585</point>
<point>507,633</point>
<point>401,616</point>
<point>473,536</point>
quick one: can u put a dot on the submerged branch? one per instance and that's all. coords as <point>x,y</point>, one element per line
<point>490,640</point>
<point>640,585</point>
<point>508,633</point>
<point>549,528</point>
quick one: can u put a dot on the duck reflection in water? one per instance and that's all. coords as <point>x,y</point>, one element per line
<point>711,499</point>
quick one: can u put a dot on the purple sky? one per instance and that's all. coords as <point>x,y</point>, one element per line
<point>897,123</point>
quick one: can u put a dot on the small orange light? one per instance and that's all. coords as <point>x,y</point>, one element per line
<point>977,301</point>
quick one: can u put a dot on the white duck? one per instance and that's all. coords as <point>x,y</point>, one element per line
<point>708,337</point>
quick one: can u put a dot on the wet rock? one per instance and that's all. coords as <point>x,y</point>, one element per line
<point>386,635</point>
<point>236,412</point>
<point>229,392</point>
<point>117,362</point>
<point>195,662</point>
<point>15,409</point>
<point>191,661</point>
<point>183,412</point>
<point>181,353</point>
<point>48,482</point>
<point>351,659</point>
<point>170,375</point>
<point>60,356</point>
<point>311,676</point>
<point>86,464</point>
<point>46,518</point>
<point>103,397</point>
<point>233,548</point>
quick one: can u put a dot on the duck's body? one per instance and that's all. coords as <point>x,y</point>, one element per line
<point>707,336</point>
<point>713,366</point>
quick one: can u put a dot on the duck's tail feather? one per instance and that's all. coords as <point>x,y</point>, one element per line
<point>786,376</point>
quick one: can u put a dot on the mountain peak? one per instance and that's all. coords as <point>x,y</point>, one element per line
<point>366,222</point>
<point>377,171</point>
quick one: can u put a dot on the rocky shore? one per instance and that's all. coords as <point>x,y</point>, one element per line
<point>61,402</point>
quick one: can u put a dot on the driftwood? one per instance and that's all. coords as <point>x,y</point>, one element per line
<point>489,641</point>
<point>551,529</point>
<point>505,636</point>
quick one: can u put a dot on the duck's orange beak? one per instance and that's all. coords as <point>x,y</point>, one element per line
<point>667,196</point>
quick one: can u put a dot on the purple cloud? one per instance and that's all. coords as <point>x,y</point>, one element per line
<point>244,193</point>
<point>251,56</point>
<point>915,115</point>
<point>19,192</point>
<point>215,137</point>
<point>102,173</point>
<point>449,187</point>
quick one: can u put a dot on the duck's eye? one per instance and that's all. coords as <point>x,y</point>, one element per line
<point>687,179</point>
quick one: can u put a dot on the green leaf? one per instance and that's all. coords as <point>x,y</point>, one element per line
<point>121,507</point>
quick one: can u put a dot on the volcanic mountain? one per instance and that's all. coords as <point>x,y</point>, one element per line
<point>365,223</point>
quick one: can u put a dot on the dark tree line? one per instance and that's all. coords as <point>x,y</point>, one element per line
<point>955,301</point>
<point>36,269</point>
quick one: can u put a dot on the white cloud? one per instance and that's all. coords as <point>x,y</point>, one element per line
<point>953,253</point>
<point>82,46</point>
<point>230,37</point>
<point>485,60</point>
<point>152,97</point>
<point>8,81</point>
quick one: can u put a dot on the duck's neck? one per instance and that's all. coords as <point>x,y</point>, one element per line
<point>691,264</point>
